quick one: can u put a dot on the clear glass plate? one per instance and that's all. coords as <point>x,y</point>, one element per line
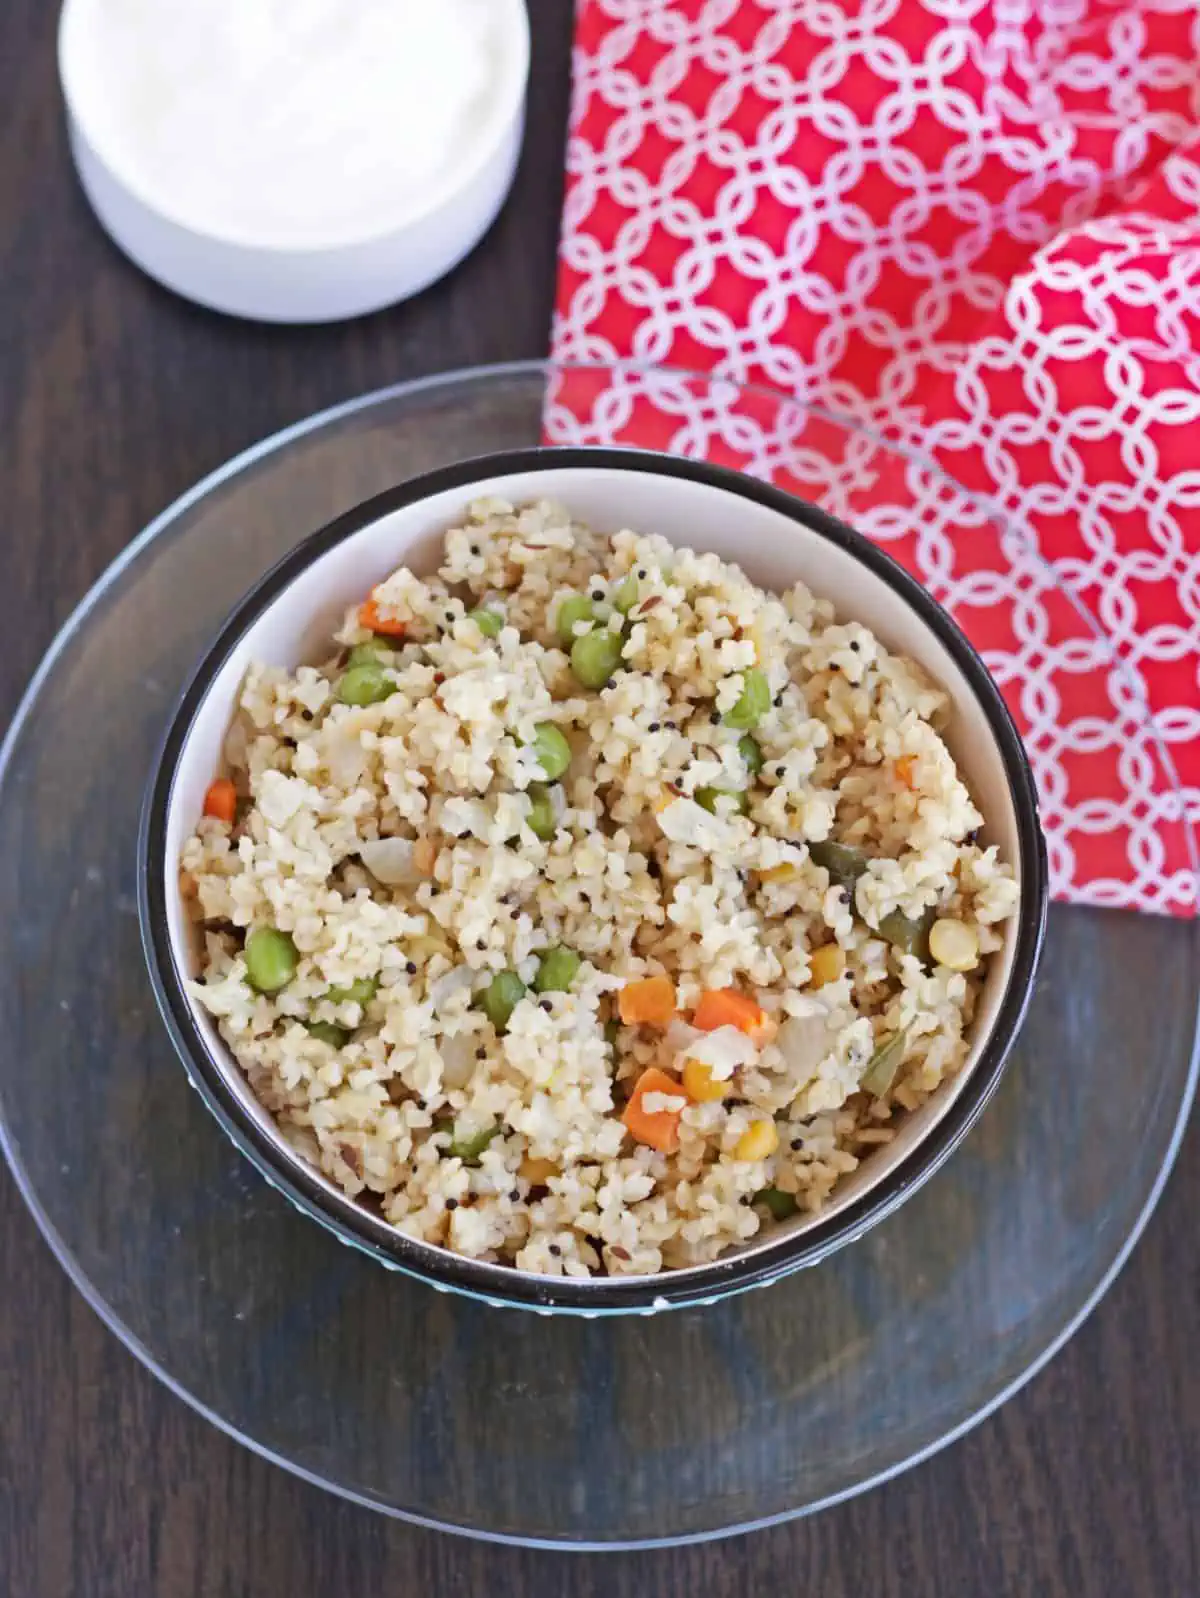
<point>504,1424</point>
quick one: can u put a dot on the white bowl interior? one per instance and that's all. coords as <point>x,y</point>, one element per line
<point>772,548</point>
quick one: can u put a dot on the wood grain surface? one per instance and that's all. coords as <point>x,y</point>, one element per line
<point>114,397</point>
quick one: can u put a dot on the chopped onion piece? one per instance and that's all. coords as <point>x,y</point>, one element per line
<point>458,1060</point>
<point>344,755</point>
<point>390,860</point>
<point>680,1036</point>
<point>444,989</point>
<point>804,1041</point>
<point>237,745</point>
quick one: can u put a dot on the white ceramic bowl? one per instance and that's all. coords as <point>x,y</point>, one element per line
<point>313,283</point>
<point>289,618</point>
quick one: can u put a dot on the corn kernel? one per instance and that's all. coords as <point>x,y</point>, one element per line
<point>700,1085</point>
<point>757,1141</point>
<point>954,944</point>
<point>827,964</point>
<point>783,873</point>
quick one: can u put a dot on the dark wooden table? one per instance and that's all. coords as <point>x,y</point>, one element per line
<point>114,397</point>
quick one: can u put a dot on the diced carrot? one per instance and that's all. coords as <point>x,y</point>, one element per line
<point>372,618</point>
<point>659,1129</point>
<point>728,1007</point>
<point>221,800</point>
<point>904,771</point>
<point>650,1002</point>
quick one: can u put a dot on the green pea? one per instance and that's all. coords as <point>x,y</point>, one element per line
<point>780,1204</point>
<point>552,749</point>
<point>489,622</point>
<point>361,991</point>
<point>574,609</point>
<point>364,685</point>
<point>470,1146</point>
<point>883,1065</point>
<point>375,652</point>
<point>751,754</point>
<point>707,798</point>
<point>625,595</point>
<point>541,819</point>
<point>907,935</point>
<point>325,1032</point>
<point>557,970</point>
<point>753,702</point>
<point>271,960</point>
<point>844,864</point>
<point>501,997</point>
<point>595,657</point>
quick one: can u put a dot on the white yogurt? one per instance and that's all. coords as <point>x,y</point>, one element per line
<point>288,123</point>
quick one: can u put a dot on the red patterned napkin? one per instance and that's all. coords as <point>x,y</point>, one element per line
<point>975,226</point>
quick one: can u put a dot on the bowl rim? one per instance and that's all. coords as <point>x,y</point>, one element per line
<point>501,1284</point>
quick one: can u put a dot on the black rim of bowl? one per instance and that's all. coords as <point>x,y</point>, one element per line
<point>501,1283</point>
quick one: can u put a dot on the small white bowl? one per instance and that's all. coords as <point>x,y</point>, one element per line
<point>306,284</point>
<point>289,617</point>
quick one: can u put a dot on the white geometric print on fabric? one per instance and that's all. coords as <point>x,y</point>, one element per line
<point>976,228</point>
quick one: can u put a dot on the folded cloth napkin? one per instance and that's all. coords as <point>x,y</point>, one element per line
<point>973,225</point>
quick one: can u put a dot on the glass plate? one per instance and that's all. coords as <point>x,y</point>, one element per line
<point>503,1424</point>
